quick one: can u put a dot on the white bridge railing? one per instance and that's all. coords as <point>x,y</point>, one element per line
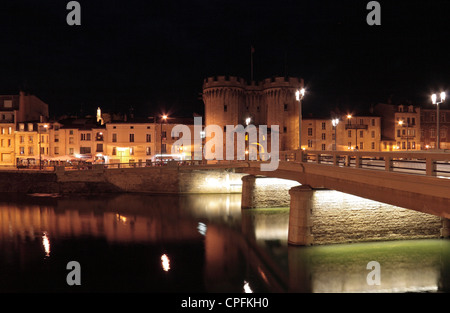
<point>421,163</point>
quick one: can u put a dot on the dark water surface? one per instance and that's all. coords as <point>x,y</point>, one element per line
<point>195,243</point>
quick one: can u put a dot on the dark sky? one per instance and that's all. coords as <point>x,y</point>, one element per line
<point>153,55</point>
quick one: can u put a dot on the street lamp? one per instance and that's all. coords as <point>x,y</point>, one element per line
<point>434,100</point>
<point>407,132</point>
<point>335,123</point>
<point>349,118</point>
<point>299,94</point>
<point>164,117</point>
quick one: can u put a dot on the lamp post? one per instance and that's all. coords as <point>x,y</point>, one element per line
<point>407,132</point>
<point>349,118</point>
<point>434,100</point>
<point>164,117</point>
<point>335,123</point>
<point>299,94</point>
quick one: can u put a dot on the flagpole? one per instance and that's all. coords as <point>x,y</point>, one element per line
<point>251,63</point>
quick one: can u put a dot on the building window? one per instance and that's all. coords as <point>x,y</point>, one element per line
<point>70,151</point>
<point>432,132</point>
<point>373,122</point>
<point>56,138</point>
<point>131,127</point>
<point>99,147</point>
<point>323,136</point>
<point>163,148</point>
<point>114,151</point>
<point>323,125</point>
<point>361,134</point>
<point>114,137</point>
<point>310,143</point>
<point>361,145</point>
<point>285,107</point>
<point>70,132</point>
<point>225,108</point>
<point>22,150</point>
<point>349,134</point>
<point>373,145</point>
<point>285,129</point>
<point>22,139</point>
<point>373,134</point>
<point>71,141</point>
<point>149,138</point>
<point>148,150</point>
<point>323,146</point>
<point>310,131</point>
<point>56,150</point>
<point>30,150</point>
<point>85,150</point>
<point>414,145</point>
<point>131,137</point>
<point>131,151</point>
<point>85,137</point>
<point>349,145</point>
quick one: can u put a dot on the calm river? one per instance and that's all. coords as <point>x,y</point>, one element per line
<point>205,243</point>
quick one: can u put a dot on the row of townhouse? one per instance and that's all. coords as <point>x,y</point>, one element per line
<point>84,139</point>
<point>387,128</point>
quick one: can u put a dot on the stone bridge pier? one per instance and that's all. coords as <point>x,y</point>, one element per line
<point>299,199</point>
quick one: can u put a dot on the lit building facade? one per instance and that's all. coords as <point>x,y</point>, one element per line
<point>428,130</point>
<point>351,133</point>
<point>16,109</point>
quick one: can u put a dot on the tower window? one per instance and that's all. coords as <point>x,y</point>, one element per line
<point>225,108</point>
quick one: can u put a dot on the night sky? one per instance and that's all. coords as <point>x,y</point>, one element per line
<point>152,56</point>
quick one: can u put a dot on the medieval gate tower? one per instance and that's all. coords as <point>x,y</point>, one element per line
<point>229,100</point>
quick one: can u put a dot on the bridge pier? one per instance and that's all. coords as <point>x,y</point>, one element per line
<point>299,232</point>
<point>248,191</point>
<point>445,230</point>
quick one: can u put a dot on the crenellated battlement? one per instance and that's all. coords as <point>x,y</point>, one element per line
<point>224,81</point>
<point>277,82</point>
<point>238,82</point>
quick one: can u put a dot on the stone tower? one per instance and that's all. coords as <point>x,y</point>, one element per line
<point>230,100</point>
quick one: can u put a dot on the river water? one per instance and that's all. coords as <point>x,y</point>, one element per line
<point>205,243</point>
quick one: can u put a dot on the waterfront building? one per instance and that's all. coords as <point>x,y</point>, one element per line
<point>351,133</point>
<point>22,107</point>
<point>428,128</point>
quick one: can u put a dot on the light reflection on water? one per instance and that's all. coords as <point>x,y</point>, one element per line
<point>201,243</point>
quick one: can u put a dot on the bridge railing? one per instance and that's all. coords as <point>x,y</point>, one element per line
<point>422,163</point>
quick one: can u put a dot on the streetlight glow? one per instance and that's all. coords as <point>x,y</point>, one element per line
<point>443,96</point>
<point>433,98</point>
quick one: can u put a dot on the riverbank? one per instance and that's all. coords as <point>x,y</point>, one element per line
<point>140,180</point>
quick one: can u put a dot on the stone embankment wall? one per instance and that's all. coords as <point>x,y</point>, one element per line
<point>144,180</point>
